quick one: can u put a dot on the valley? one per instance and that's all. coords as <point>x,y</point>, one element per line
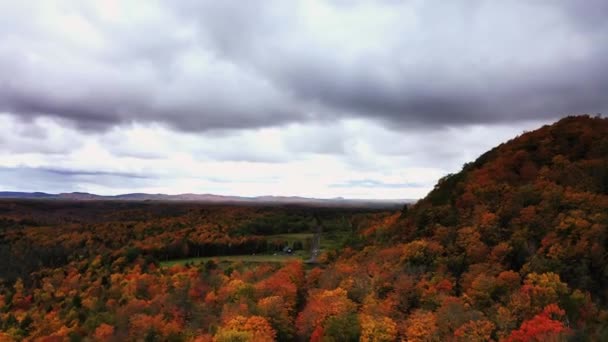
<point>514,247</point>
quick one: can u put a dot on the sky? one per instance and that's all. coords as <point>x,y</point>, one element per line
<point>335,98</point>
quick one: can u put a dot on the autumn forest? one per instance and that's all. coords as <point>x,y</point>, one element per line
<point>514,247</point>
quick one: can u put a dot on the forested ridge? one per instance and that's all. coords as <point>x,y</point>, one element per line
<point>512,248</point>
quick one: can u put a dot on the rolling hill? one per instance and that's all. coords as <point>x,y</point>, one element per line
<point>207,198</point>
<point>516,244</point>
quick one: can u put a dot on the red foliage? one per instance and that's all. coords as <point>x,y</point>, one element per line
<point>545,326</point>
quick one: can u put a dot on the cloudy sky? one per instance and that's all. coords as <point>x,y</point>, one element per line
<point>360,99</point>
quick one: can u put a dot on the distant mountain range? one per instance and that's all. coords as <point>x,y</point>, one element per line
<point>84,196</point>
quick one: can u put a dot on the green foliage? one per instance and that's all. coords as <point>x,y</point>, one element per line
<point>25,323</point>
<point>132,253</point>
<point>342,328</point>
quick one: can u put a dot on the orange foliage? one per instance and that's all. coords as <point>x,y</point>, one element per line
<point>141,324</point>
<point>321,305</point>
<point>103,332</point>
<point>475,331</point>
<point>421,326</point>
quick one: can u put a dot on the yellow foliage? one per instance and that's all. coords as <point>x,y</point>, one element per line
<point>377,329</point>
<point>544,288</point>
<point>240,328</point>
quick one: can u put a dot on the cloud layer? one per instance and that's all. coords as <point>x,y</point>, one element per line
<point>202,65</point>
<point>343,85</point>
<point>351,158</point>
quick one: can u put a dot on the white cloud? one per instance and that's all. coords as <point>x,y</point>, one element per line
<point>351,158</point>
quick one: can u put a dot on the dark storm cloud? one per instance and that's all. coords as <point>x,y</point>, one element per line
<point>54,180</point>
<point>105,95</point>
<point>457,87</point>
<point>84,173</point>
<point>204,65</point>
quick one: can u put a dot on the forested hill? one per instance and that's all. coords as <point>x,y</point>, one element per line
<point>512,247</point>
<point>544,195</point>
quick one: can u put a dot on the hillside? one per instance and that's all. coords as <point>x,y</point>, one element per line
<point>544,194</point>
<point>512,248</point>
<point>520,232</point>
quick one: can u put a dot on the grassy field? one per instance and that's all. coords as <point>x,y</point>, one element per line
<point>329,240</point>
<point>234,258</point>
<point>291,237</point>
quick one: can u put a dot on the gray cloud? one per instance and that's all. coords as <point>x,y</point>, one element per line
<point>58,180</point>
<point>85,173</point>
<point>206,65</point>
<point>474,62</point>
<point>23,136</point>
